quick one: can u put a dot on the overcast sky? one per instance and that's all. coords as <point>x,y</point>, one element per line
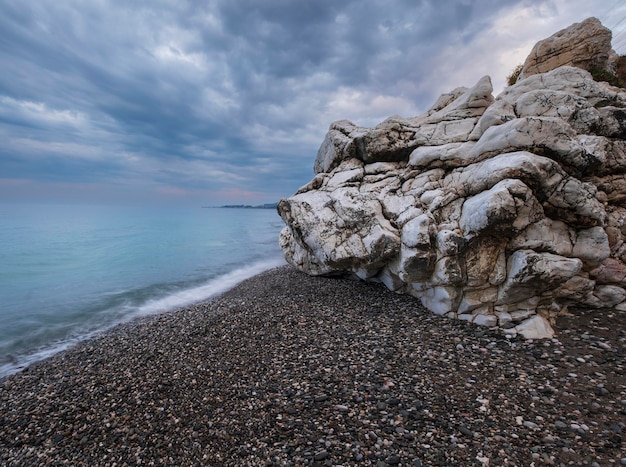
<point>227,101</point>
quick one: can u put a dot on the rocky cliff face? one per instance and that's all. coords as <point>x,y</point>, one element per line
<point>502,212</point>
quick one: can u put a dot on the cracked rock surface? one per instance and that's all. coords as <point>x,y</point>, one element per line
<point>499,211</point>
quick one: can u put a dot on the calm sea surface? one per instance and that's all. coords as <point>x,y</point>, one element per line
<point>67,272</point>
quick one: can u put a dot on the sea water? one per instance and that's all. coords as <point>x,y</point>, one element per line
<point>68,272</point>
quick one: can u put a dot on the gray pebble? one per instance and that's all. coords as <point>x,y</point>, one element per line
<point>560,425</point>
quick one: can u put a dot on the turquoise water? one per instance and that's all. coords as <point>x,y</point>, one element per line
<point>67,272</point>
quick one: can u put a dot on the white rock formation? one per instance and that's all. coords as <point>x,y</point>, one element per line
<point>502,212</point>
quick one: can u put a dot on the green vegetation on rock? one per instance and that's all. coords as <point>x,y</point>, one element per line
<point>512,78</point>
<point>604,75</point>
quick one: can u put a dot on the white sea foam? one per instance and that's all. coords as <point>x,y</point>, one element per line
<point>203,292</point>
<point>24,361</point>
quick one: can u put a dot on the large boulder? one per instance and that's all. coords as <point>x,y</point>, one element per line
<point>585,45</point>
<point>503,212</point>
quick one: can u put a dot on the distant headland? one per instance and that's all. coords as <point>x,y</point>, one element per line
<point>245,206</point>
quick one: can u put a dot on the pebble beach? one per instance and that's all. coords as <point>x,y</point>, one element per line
<point>287,369</point>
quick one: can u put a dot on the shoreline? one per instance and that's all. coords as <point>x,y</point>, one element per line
<point>287,369</point>
<point>162,303</point>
